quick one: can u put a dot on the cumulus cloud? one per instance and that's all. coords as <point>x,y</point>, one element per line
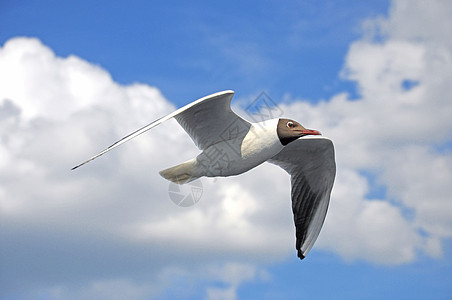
<point>99,225</point>
<point>111,222</point>
<point>396,130</point>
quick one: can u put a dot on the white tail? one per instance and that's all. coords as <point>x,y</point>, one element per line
<point>180,174</point>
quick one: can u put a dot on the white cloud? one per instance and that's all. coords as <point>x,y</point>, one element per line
<point>366,229</point>
<point>102,290</point>
<point>233,274</point>
<point>115,209</point>
<point>113,217</point>
<point>420,21</point>
<point>393,132</point>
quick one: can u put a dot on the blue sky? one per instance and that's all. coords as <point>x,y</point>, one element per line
<point>190,48</point>
<point>362,72</point>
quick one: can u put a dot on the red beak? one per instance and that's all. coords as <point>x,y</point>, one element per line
<point>310,132</point>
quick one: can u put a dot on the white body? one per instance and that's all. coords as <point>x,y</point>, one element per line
<point>236,156</point>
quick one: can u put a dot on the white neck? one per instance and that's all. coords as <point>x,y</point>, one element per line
<point>262,140</point>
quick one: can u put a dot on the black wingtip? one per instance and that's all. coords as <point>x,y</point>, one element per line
<point>300,255</point>
<point>79,165</point>
<point>73,168</point>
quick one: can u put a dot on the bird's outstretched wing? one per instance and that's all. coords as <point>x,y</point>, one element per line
<point>206,120</point>
<point>310,162</point>
<point>212,120</point>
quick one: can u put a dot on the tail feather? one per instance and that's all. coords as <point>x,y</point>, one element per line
<point>180,174</point>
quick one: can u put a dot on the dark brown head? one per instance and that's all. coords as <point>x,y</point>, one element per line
<point>290,130</point>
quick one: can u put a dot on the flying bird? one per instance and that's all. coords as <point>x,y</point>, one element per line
<point>231,146</point>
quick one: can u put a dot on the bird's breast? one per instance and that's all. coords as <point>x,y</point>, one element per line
<point>261,142</point>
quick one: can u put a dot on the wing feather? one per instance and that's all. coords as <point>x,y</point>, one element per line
<point>201,119</point>
<point>213,121</point>
<point>310,162</point>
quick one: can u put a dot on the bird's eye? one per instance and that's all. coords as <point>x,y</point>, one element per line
<point>290,124</point>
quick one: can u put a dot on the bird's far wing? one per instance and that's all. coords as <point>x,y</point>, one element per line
<point>311,164</point>
<point>201,108</point>
<point>211,120</point>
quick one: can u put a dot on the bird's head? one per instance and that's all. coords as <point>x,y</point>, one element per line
<point>290,130</point>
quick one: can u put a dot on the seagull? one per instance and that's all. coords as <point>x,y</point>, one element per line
<point>231,145</point>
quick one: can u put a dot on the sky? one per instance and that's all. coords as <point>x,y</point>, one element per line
<point>75,77</point>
